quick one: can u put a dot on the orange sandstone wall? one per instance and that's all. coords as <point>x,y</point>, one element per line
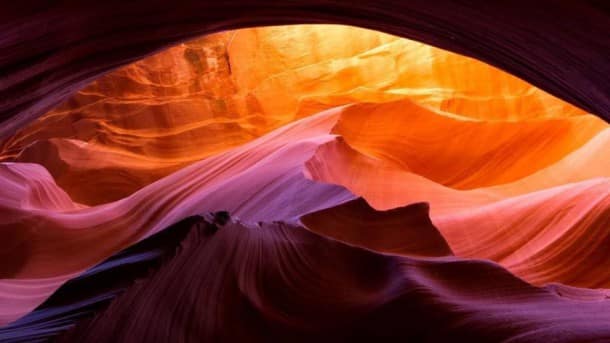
<point>149,119</point>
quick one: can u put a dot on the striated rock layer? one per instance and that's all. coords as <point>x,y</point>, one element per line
<point>91,291</point>
<point>379,188</point>
<point>200,98</point>
<point>262,180</point>
<point>266,180</point>
<point>51,51</point>
<point>274,282</point>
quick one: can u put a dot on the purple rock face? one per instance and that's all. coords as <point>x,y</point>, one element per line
<point>347,221</point>
<point>267,282</point>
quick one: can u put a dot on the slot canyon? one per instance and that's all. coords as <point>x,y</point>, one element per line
<point>305,171</point>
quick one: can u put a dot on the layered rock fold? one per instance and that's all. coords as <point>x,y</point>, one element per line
<point>377,187</point>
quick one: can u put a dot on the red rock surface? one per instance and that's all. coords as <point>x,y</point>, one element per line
<point>428,178</point>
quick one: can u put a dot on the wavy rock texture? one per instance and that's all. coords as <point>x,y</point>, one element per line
<point>379,188</point>
<point>91,291</point>
<point>51,51</point>
<point>403,231</point>
<point>265,283</point>
<point>203,97</point>
<point>536,232</point>
<point>262,180</point>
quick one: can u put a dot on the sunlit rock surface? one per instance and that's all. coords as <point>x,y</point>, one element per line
<point>203,97</point>
<point>377,172</point>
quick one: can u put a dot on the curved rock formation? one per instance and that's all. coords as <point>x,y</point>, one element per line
<point>80,42</point>
<point>403,231</point>
<point>206,96</point>
<point>535,226</point>
<point>262,180</point>
<point>91,291</point>
<point>447,199</point>
<point>265,283</point>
